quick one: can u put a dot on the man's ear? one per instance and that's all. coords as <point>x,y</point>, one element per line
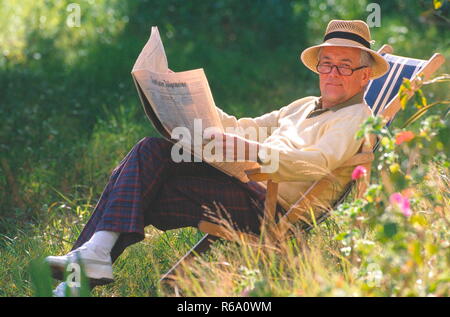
<point>366,76</point>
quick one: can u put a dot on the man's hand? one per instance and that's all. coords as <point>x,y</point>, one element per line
<point>236,147</point>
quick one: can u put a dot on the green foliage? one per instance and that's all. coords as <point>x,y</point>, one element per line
<point>420,102</point>
<point>41,279</point>
<point>408,241</point>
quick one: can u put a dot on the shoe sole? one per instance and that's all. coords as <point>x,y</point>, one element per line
<point>58,273</point>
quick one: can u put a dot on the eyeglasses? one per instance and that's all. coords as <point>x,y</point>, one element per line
<point>343,71</point>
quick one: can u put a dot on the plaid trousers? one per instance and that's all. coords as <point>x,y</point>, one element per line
<point>148,188</point>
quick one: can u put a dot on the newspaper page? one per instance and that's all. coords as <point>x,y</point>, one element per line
<point>152,57</point>
<point>179,100</point>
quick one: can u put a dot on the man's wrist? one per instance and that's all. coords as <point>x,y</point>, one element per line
<point>262,155</point>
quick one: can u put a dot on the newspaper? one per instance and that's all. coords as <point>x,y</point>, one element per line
<point>179,99</point>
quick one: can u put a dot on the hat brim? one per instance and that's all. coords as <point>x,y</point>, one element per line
<point>309,56</point>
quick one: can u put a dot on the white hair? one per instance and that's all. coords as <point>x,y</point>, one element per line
<point>366,58</point>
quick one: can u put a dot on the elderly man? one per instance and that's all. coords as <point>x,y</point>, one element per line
<point>312,135</point>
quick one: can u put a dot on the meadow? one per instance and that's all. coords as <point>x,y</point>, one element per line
<point>70,112</point>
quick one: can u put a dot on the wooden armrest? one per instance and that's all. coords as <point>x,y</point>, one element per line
<point>255,175</point>
<point>359,159</point>
<point>253,171</point>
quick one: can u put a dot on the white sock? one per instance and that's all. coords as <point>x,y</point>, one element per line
<point>103,241</point>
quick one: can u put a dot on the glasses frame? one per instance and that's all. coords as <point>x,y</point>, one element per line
<point>338,69</point>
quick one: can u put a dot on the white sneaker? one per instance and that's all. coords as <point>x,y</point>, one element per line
<point>97,265</point>
<point>60,290</point>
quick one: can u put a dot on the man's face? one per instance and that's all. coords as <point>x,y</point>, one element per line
<point>336,88</point>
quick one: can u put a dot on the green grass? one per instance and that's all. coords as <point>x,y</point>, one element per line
<point>70,113</point>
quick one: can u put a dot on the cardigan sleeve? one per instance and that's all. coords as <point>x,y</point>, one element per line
<point>262,126</point>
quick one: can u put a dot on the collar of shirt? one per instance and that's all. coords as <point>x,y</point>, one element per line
<point>358,98</point>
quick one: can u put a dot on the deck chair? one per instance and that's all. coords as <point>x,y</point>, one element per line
<point>382,96</point>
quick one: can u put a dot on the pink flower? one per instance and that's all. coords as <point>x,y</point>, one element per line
<point>396,198</point>
<point>359,172</point>
<point>402,203</point>
<point>404,136</point>
<point>246,292</point>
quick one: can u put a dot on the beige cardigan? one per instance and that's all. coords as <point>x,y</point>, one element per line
<point>309,148</point>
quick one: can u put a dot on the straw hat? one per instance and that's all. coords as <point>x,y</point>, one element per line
<point>353,33</point>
